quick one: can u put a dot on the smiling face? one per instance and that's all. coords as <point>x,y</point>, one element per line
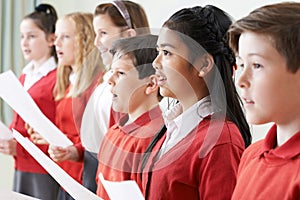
<point>35,45</point>
<point>178,78</point>
<point>106,33</point>
<point>126,87</point>
<point>65,42</point>
<point>270,93</point>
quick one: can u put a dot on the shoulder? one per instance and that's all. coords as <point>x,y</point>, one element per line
<point>253,150</point>
<point>223,131</point>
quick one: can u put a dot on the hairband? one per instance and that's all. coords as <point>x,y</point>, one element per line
<point>123,11</point>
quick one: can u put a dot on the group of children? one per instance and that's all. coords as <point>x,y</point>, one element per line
<point>106,90</point>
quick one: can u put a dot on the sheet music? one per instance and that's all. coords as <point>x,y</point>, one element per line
<point>122,190</point>
<point>12,91</point>
<point>5,132</point>
<point>75,189</point>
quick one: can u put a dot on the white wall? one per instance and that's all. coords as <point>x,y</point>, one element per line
<point>158,11</point>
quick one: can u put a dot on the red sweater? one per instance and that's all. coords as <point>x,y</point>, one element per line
<point>122,148</point>
<point>42,93</point>
<point>267,172</point>
<point>69,113</point>
<point>187,172</point>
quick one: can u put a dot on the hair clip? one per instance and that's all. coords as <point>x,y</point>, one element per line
<point>123,11</point>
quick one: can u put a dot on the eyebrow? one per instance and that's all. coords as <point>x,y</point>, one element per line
<point>165,45</point>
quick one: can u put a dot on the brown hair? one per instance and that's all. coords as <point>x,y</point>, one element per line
<point>45,17</point>
<point>88,62</point>
<point>137,14</point>
<point>280,22</point>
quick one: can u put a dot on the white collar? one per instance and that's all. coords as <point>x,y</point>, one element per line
<point>44,69</point>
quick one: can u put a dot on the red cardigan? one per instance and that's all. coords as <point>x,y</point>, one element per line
<point>42,93</point>
<point>185,173</point>
<point>69,112</point>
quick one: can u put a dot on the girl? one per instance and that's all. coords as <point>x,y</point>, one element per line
<point>119,19</point>
<point>38,77</point>
<point>80,67</point>
<point>207,132</point>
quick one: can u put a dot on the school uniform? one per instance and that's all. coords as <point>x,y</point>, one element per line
<point>97,118</point>
<point>30,178</point>
<point>270,172</point>
<point>198,157</point>
<point>123,146</point>
<point>69,113</point>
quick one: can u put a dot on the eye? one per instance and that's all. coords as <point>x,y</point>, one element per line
<point>31,36</point>
<point>257,66</point>
<point>120,73</point>
<point>166,53</point>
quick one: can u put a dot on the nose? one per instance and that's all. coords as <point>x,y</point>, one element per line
<point>97,40</point>
<point>57,41</point>
<point>111,79</point>
<point>24,41</point>
<point>157,62</point>
<point>243,80</point>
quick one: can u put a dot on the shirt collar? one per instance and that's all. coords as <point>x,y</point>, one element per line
<point>190,117</point>
<point>288,150</point>
<point>44,69</point>
<point>140,121</point>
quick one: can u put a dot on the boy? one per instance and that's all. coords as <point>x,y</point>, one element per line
<point>268,44</point>
<point>135,91</point>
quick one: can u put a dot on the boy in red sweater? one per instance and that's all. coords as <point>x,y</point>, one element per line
<point>268,44</point>
<point>135,91</point>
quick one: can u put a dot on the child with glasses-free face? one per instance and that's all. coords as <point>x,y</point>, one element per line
<point>267,44</point>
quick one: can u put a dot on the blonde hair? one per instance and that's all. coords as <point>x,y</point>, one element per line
<point>88,63</point>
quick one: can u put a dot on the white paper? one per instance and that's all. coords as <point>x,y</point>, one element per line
<point>122,190</point>
<point>5,132</point>
<point>9,195</point>
<point>75,189</point>
<point>19,100</point>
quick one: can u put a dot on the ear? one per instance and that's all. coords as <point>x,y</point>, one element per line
<point>207,64</point>
<point>152,85</point>
<point>130,32</point>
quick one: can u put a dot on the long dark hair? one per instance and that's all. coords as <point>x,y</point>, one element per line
<point>207,27</point>
<point>45,17</point>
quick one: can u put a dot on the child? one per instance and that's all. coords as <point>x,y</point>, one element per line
<point>135,91</point>
<point>268,44</point>
<point>119,19</point>
<point>79,69</point>
<point>38,78</point>
<point>207,132</point>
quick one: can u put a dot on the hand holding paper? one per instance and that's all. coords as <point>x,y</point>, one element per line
<point>75,189</point>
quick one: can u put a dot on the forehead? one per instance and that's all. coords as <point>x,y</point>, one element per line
<point>29,25</point>
<point>251,44</point>
<point>124,62</point>
<point>103,21</point>
<point>65,25</point>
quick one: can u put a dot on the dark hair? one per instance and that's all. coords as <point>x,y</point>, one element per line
<point>142,50</point>
<point>204,31</point>
<point>45,18</point>
<point>207,26</point>
<point>279,21</point>
<point>137,16</point>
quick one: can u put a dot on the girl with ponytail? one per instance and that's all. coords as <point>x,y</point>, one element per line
<point>197,155</point>
<point>38,78</point>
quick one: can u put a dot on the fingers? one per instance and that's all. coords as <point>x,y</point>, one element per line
<point>8,147</point>
<point>58,154</point>
<point>37,138</point>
